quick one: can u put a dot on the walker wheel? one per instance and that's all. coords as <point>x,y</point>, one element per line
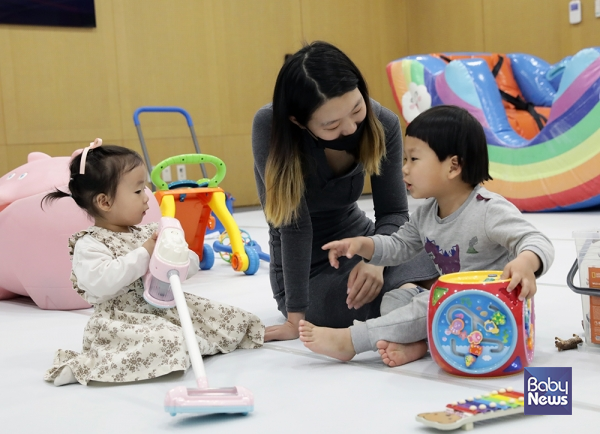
<point>208,257</point>
<point>253,260</point>
<point>236,261</point>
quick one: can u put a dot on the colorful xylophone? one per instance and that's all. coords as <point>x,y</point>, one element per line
<point>466,412</point>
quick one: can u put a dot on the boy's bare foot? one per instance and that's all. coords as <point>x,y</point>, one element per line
<point>336,343</point>
<point>394,354</point>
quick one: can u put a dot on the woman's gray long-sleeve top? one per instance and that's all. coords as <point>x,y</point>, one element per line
<point>328,210</point>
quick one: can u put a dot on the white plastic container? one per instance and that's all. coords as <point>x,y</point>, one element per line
<point>587,244</point>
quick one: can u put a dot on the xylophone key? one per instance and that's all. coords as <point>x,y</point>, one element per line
<point>515,395</point>
<point>498,406</point>
<point>491,405</point>
<point>461,408</point>
<point>505,400</point>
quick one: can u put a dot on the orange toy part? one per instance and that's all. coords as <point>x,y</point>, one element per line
<point>193,212</point>
<point>520,120</point>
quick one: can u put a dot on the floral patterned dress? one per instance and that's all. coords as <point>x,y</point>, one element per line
<point>126,339</point>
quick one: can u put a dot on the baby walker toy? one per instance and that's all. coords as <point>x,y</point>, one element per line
<point>192,203</point>
<point>216,226</point>
<point>169,263</point>
<point>223,246</point>
<point>464,413</point>
<point>478,329</point>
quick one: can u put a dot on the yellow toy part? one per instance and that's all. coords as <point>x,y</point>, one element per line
<point>167,206</point>
<point>473,277</point>
<point>239,259</point>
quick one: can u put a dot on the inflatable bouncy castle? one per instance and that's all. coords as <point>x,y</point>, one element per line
<point>542,121</point>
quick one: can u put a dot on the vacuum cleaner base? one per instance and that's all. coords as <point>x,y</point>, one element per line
<point>209,401</point>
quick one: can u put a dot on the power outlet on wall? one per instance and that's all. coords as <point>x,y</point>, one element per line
<point>575,11</point>
<point>181,174</point>
<point>166,174</point>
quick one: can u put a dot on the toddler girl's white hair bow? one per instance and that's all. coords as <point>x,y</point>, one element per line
<point>93,145</point>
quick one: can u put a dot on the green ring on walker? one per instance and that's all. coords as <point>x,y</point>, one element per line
<point>157,180</point>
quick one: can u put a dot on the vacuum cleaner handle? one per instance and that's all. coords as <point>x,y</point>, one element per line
<point>188,330</point>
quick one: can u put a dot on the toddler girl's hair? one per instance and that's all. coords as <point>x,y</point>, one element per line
<point>451,130</point>
<point>104,167</point>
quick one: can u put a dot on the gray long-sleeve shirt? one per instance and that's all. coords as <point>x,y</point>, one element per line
<point>485,233</point>
<point>328,210</point>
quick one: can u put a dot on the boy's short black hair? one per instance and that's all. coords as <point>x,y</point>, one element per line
<point>451,130</point>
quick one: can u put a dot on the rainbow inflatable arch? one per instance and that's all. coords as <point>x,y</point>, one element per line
<point>559,168</point>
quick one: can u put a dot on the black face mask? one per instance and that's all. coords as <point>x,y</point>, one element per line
<point>345,143</point>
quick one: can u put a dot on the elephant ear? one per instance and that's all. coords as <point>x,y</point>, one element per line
<point>35,156</point>
<point>76,152</point>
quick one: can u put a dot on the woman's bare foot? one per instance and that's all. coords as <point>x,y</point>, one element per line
<point>394,354</point>
<point>336,343</point>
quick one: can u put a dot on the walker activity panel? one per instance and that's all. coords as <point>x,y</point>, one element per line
<point>478,329</point>
<point>464,413</point>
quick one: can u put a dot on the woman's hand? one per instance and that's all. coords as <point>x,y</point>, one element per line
<point>364,284</point>
<point>286,331</point>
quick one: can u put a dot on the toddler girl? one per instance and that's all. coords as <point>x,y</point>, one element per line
<point>126,339</point>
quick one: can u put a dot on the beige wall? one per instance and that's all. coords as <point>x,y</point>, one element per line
<point>538,27</point>
<point>61,87</point>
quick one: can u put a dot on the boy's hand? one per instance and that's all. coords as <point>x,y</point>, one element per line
<point>150,243</point>
<point>522,271</point>
<point>348,247</point>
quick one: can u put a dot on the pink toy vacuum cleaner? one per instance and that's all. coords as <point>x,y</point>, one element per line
<point>162,288</point>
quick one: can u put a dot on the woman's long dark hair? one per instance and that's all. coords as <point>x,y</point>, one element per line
<point>312,76</point>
